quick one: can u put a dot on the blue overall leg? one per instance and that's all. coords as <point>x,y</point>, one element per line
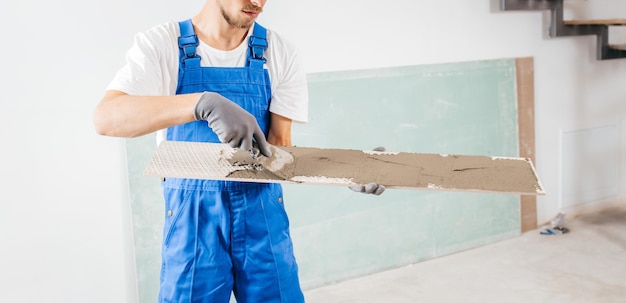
<point>226,236</point>
<point>196,243</point>
<point>265,268</point>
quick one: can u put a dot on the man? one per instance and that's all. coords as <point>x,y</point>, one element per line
<point>219,237</point>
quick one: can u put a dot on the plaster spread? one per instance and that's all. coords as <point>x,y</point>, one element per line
<point>406,170</point>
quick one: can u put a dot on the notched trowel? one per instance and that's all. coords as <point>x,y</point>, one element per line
<point>251,164</point>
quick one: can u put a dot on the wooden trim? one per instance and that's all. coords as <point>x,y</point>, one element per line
<point>609,22</point>
<point>524,68</point>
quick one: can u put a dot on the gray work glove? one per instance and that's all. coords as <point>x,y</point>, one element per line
<point>231,123</point>
<point>370,188</point>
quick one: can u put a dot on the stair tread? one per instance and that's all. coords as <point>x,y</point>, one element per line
<point>596,22</point>
<point>618,46</point>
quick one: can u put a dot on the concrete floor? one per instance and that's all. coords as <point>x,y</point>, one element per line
<point>588,264</point>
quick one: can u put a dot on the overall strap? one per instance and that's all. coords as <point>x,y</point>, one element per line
<point>188,43</point>
<point>257,44</point>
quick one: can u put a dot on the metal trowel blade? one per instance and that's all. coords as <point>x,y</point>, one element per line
<point>281,164</point>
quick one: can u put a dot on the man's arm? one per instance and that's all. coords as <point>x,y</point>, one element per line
<point>121,115</point>
<point>280,130</point>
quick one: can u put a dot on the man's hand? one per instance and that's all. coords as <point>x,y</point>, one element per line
<point>370,188</point>
<point>231,123</point>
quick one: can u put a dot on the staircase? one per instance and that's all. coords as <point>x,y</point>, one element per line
<point>562,28</point>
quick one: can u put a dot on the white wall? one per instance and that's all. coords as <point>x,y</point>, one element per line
<point>573,90</point>
<point>64,221</point>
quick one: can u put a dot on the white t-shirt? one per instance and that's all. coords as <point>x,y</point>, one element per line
<point>152,69</point>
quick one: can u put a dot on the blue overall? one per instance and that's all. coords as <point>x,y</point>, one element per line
<point>221,237</point>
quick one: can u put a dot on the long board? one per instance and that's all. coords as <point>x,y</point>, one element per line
<point>346,167</point>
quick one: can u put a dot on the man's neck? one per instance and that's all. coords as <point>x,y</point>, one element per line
<point>212,29</point>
